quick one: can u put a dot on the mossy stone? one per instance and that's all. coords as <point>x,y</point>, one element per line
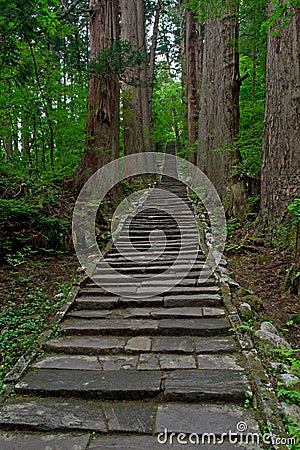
<point>254,301</point>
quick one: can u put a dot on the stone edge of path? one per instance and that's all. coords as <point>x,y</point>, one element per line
<point>264,396</point>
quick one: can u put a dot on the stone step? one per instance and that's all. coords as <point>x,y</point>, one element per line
<point>199,289</point>
<point>159,261</point>
<point>122,417</point>
<point>171,442</point>
<point>180,385</point>
<point>203,385</point>
<point>206,299</point>
<point>150,284</point>
<point>136,226</point>
<point>149,313</point>
<point>138,361</point>
<point>108,302</point>
<point>97,301</point>
<point>110,385</point>
<point>43,441</point>
<point>104,345</point>
<point>149,252</point>
<point>135,327</point>
<point>159,280</point>
<point>144,271</point>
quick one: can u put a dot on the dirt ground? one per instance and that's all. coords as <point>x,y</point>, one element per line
<point>263,270</point>
<point>49,273</point>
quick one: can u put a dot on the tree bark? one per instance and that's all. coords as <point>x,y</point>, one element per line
<point>219,110</point>
<point>102,127</point>
<point>280,174</point>
<point>136,107</point>
<point>152,58</point>
<point>194,59</point>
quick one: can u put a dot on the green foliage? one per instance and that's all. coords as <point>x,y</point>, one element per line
<point>28,225</point>
<point>22,324</point>
<point>43,87</point>
<point>168,110</point>
<point>117,59</point>
<point>294,209</point>
<point>281,15</point>
<point>213,9</point>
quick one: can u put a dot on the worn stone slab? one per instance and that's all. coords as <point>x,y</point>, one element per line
<point>177,362</point>
<point>148,361</point>
<point>203,418</point>
<point>172,344</point>
<point>205,299</point>
<point>96,302</point>
<point>119,362</point>
<point>135,313</point>
<point>219,362</point>
<point>129,417</point>
<point>193,327</point>
<point>177,313</point>
<point>95,291</point>
<point>138,344</point>
<point>93,314</point>
<point>215,345</point>
<point>142,301</point>
<point>196,290</point>
<point>42,441</point>
<point>152,443</point>
<point>87,345</point>
<point>201,385</point>
<point>213,312</point>
<point>124,384</point>
<point>45,414</point>
<point>81,362</point>
<point>113,326</point>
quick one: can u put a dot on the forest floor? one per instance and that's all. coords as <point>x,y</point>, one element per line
<point>263,269</point>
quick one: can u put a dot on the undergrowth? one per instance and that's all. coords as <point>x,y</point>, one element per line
<point>22,324</point>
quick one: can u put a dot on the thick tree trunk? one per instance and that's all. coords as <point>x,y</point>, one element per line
<point>280,173</point>
<point>136,107</point>
<point>102,128</point>
<point>219,110</point>
<point>151,71</point>
<point>145,79</point>
<point>194,59</point>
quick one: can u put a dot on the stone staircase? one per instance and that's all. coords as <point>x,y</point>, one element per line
<point>127,368</point>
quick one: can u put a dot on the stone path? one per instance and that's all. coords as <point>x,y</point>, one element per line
<point>125,369</point>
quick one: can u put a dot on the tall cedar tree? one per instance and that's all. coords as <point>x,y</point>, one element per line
<point>103,121</point>
<point>219,108</point>
<point>280,172</point>
<point>194,59</point>
<point>136,106</point>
